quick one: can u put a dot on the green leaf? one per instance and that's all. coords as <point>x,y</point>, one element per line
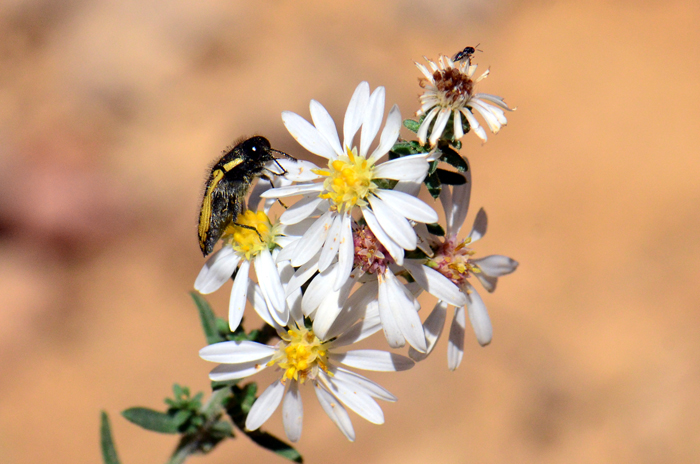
<point>275,445</point>
<point>411,125</point>
<point>435,229</point>
<point>153,420</point>
<point>450,156</point>
<point>434,185</point>
<point>109,452</point>
<point>207,318</point>
<point>450,177</point>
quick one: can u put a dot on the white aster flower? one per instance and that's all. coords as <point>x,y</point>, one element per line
<point>376,269</point>
<point>446,275</point>
<point>303,357</point>
<point>449,91</point>
<point>349,183</point>
<point>259,244</point>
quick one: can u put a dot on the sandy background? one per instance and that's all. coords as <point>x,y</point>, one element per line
<point>110,112</point>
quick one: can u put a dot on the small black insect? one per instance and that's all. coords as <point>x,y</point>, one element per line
<point>228,185</point>
<point>466,54</point>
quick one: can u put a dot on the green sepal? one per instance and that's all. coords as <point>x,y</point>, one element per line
<point>155,421</point>
<point>436,229</point>
<point>411,125</point>
<point>450,177</point>
<point>450,156</point>
<point>207,319</point>
<point>109,452</point>
<point>405,147</point>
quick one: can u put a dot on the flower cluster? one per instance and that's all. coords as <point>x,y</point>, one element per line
<point>354,249</point>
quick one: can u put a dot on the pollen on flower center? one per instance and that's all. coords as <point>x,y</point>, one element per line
<point>454,88</point>
<point>370,254</point>
<point>300,354</point>
<point>348,181</point>
<point>453,260</point>
<point>248,241</point>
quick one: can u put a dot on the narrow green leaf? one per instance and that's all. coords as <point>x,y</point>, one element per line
<point>411,125</point>
<point>450,156</point>
<point>207,318</point>
<point>435,229</point>
<point>109,452</point>
<point>150,419</point>
<point>274,444</point>
<point>450,177</point>
<point>434,185</point>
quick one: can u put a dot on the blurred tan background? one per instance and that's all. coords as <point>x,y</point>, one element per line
<point>110,112</point>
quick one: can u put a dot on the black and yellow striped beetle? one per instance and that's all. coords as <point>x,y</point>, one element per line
<point>228,185</point>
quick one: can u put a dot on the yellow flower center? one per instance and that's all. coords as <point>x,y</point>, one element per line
<point>300,354</point>
<point>247,240</point>
<point>348,181</point>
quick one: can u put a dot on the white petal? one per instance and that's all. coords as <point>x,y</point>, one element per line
<point>489,116</point>
<point>493,99</point>
<point>298,171</point>
<point>391,328</point>
<point>457,124</point>
<point>455,342</point>
<point>474,124</point>
<point>364,328</point>
<point>335,411</point>
<point>265,405</point>
<point>271,286</point>
<point>488,282</point>
<point>257,299</point>
<point>355,399</point>
<point>389,134</point>
<point>291,190</point>
<point>300,210</point>
<point>355,113</point>
<point>225,372</point>
<point>395,226</point>
<point>407,168</point>
<point>439,126</point>
<point>392,247</point>
<point>331,245</point>
<point>329,309</point>
<point>236,352</point>
<point>428,75</point>
<point>404,312</point>
<point>479,317</point>
<point>425,125</point>
<point>479,229</point>
<point>346,252</point>
<point>325,125</point>
<point>373,360</point>
<point>372,389</point>
<point>307,135</point>
<point>408,206</point>
<point>318,289</point>
<point>354,308</point>
<point>373,119</point>
<point>302,274</point>
<point>432,326</point>
<point>216,271</point>
<point>496,265</point>
<point>254,199</point>
<point>313,239</point>
<point>292,412</point>
<point>239,293</point>
<point>460,199</point>
<point>435,283</point>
